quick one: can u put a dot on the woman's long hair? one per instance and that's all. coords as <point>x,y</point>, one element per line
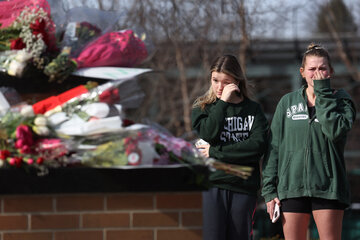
<point>229,65</point>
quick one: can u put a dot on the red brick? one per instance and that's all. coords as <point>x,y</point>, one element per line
<point>54,221</point>
<point>130,201</point>
<point>79,235</point>
<point>179,234</point>
<point>80,203</point>
<point>13,222</point>
<point>191,219</point>
<point>160,219</point>
<point>130,235</point>
<point>178,201</point>
<point>28,204</point>
<point>28,236</point>
<point>106,220</point>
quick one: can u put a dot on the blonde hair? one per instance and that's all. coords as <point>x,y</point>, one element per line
<point>229,65</point>
<point>316,50</point>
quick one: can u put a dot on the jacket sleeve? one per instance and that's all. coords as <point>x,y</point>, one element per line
<point>208,124</point>
<point>247,151</point>
<point>270,163</point>
<point>335,111</point>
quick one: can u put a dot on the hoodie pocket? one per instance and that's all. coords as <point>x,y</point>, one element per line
<point>291,172</point>
<point>320,173</point>
<point>284,166</point>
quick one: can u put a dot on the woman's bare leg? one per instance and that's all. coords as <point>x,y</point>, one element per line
<point>329,223</point>
<point>295,225</point>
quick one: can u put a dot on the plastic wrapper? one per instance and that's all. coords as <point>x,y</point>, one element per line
<point>116,49</point>
<point>138,145</point>
<point>85,24</point>
<point>238,170</point>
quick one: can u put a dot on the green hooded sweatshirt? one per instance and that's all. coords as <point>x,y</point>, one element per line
<point>306,156</point>
<point>237,134</point>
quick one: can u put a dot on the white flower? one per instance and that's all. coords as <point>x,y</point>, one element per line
<point>40,121</point>
<point>41,130</point>
<point>27,111</point>
<point>18,63</point>
<point>16,68</point>
<point>100,110</point>
<point>52,111</point>
<point>22,56</point>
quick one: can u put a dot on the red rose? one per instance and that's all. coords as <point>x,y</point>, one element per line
<point>17,44</point>
<point>40,27</point>
<point>127,122</point>
<point>18,161</point>
<point>4,154</point>
<point>110,96</point>
<point>40,160</point>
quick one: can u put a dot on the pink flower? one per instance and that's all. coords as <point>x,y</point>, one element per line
<point>12,161</point>
<point>51,148</point>
<point>30,161</point>
<point>24,140</point>
<point>16,161</point>
<point>25,149</point>
<point>24,132</point>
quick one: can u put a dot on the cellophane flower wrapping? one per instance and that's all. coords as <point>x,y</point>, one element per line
<point>93,42</point>
<point>29,38</point>
<point>243,172</point>
<point>143,145</point>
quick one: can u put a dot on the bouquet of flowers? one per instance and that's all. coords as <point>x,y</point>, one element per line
<point>238,170</point>
<point>26,37</point>
<point>140,145</point>
<point>117,49</point>
<point>28,141</point>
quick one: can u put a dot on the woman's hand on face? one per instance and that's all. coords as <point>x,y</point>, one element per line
<point>229,93</point>
<point>318,75</point>
<point>270,206</point>
<point>204,149</point>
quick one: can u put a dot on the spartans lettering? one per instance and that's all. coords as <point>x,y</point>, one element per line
<point>237,129</point>
<point>295,110</point>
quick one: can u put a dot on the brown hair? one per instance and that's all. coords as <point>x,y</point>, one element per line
<point>229,65</point>
<point>316,50</point>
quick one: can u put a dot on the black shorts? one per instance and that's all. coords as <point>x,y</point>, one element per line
<point>309,204</point>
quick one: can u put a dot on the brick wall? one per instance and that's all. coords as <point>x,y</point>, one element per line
<point>135,216</point>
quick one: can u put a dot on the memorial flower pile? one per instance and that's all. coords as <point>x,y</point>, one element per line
<point>28,141</point>
<point>78,127</point>
<point>142,145</point>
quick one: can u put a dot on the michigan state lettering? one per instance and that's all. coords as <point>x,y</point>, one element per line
<point>236,129</point>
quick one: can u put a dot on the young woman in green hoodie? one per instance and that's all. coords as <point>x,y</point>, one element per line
<point>304,172</point>
<point>235,129</point>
